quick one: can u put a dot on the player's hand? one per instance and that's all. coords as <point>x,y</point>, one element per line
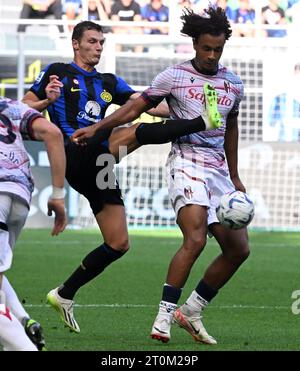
<point>60,218</point>
<point>239,186</point>
<point>80,135</point>
<point>53,88</point>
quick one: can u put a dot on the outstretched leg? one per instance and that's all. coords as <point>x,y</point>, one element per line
<point>167,130</point>
<point>161,132</point>
<point>125,137</point>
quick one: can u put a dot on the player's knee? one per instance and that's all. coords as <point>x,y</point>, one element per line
<point>244,254</point>
<point>194,244</point>
<point>238,256</point>
<point>121,244</point>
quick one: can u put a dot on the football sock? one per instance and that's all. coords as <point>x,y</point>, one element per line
<point>12,300</point>
<point>205,291</point>
<point>194,305</point>
<point>167,308</point>
<point>171,294</point>
<point>198,299</point>
<point>92,265</point>
<point>168,130</point>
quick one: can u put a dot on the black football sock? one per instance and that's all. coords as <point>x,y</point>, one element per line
<point>206,292</point>
<point>168,130</point>
<point>92,265</point>
<point>171,294</point>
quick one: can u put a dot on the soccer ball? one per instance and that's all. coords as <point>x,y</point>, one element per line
<point>236,210</point>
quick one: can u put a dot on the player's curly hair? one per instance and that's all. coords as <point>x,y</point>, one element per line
<point>213,22</point>
<point>83,26</point>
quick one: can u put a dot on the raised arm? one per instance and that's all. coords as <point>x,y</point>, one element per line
<point>52,137</point>
<point>52,93</point>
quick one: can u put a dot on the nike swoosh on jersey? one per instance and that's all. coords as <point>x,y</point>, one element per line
<point>73,90</point>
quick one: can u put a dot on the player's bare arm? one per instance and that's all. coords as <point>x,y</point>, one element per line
<point>162,110</point>
<point>52,92</point>
<point>231,151</point>
<point>52,137</point>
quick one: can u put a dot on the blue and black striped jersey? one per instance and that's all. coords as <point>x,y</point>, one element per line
<point>84,97</point>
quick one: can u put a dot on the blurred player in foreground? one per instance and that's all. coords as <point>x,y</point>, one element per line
<point>17,122</point>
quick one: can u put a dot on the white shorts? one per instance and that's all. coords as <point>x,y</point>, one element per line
<point>13,214</point>
<point>192,183</point>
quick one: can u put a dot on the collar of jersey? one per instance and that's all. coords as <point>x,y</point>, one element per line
<point>84,72</point>
<point>206,72</point>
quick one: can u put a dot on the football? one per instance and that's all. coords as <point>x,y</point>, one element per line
<point>236,210</point>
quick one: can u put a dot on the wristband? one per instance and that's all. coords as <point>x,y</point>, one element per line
<point>57,193</point>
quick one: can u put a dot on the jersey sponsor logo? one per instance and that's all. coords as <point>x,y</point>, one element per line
<point>73,90</point>
<point>83,115</point>
<point>106,96</point>
<point>39,78</point>
<point>92,108</point>
<point>92,111</point>
<point>194,94</point>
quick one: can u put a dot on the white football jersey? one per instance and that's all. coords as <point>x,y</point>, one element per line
<point>182,86</point>
<point>15,124</point>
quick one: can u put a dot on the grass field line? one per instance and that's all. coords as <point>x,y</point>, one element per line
<point>71,242</point>
<point>116,305</point>
<point>95,242</point>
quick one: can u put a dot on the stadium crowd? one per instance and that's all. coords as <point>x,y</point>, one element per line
<point>273,14</point>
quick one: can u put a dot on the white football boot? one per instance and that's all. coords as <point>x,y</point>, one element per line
<point>65,308</point>
<point>161,329</point>
<point>194,326</point>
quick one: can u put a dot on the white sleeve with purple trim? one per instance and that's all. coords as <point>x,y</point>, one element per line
<point>15,121</point>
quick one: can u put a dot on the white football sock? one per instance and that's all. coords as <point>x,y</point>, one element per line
<point>12,300</point>
<point>194,304</point>
<point>167,309</point>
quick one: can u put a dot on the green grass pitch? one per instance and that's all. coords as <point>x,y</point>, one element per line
<point>116,311</point>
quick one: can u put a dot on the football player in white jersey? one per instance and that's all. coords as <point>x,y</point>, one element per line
<point>17,122</point>
<point>201,166</point>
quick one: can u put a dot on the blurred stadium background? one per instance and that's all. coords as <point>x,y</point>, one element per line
<point>269,147</point>
<point>269,164</point>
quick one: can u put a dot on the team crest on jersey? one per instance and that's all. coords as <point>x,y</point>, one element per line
<point>188,192</point>
<point>227,87</point>
<point>39,78</point>
<point>106,96</point>
<point>76,81</point>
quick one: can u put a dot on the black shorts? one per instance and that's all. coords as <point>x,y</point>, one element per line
<point>82,172</point>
